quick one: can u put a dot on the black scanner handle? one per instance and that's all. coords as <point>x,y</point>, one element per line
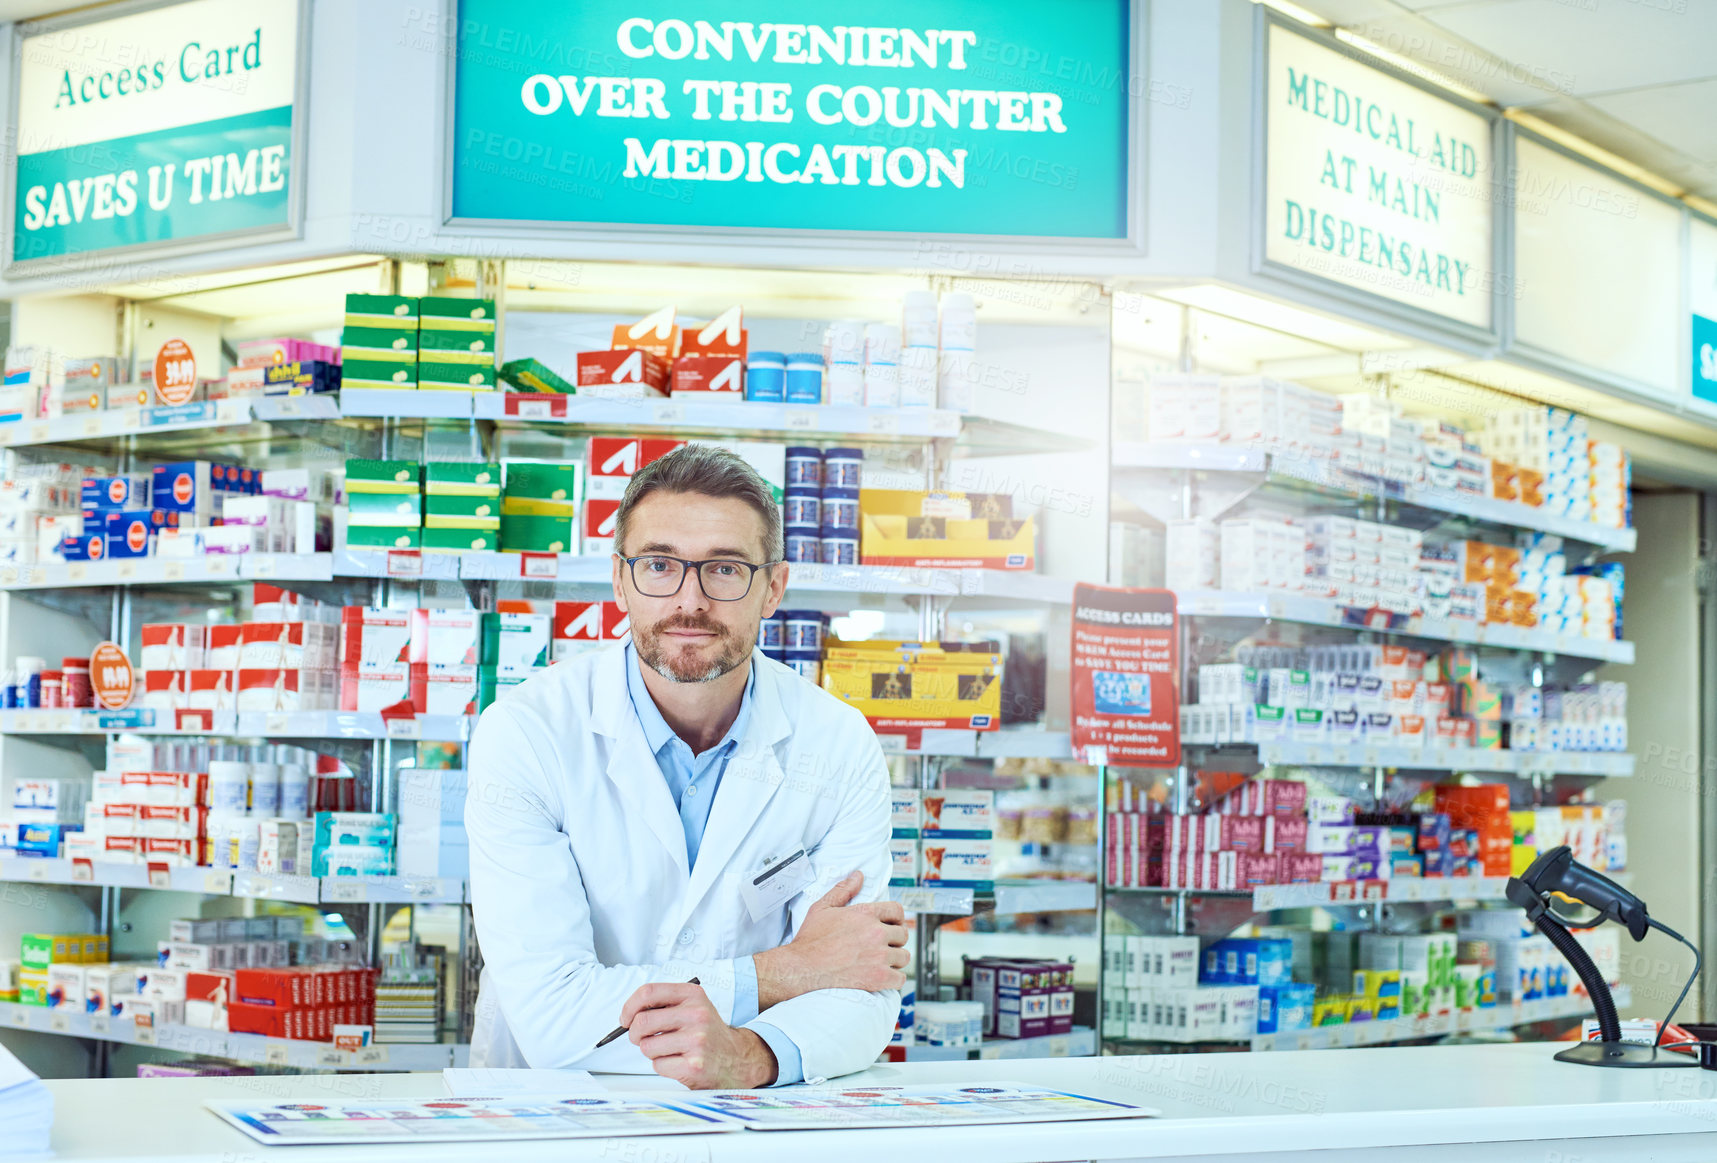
<point>1557,871</point>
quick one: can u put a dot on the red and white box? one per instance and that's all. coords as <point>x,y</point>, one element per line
<point>446,637</point>
<point>597,528</point>
<point>156,821</point>
<point>223,647</point>
<point>173,853</point>
<point>283,689</point>
<point>287,645</point>
<point>611,461</point>
<point>584,626</point>
<point>207,996</point>
<point>622,375</point>
<point>269,603</point>
<point>709,378</point>
<point>210,690</point>
<point>111,819</point>
<point>374,636</point>
<point>449,690</point>
<point>172,646</point>
<point>165,690</point>
<point>379,688</point>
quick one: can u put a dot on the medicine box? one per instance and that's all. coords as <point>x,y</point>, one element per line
<point>905,808</point>
<point>457,478</point>
<point>903,862</point>
<point>958,813</point>
<point>957,864</point>
<point>515,643</point>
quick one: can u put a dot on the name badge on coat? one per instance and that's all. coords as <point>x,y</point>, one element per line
<point>779,882</point>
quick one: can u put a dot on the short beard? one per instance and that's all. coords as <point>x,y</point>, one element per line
<point>655,656</point>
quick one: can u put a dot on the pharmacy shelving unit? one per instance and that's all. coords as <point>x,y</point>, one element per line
<point>1160,482</point>
<point>1504,1016</point>
<point>381,423</point>
<point>1079,1042</point>
<point>250,1048</point>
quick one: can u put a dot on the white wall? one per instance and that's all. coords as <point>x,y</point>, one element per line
<point>1660,614</point>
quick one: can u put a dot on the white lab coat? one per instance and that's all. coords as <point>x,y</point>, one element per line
<point>579,878</point>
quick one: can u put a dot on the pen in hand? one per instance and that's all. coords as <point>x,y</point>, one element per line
<point>620,1031</point>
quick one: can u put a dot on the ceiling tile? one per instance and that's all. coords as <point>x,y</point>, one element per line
<point>1593,46</point>
<point>1669,113</point>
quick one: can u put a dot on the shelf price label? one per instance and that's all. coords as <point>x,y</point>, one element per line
<point>403,728</point>
<point>60,1022</point>
<point>334,1058</point>
<point>917,900</point>
<point>405,563</point>
<point>275,1055</point>
<point>800,419</point>
<point>539,566</point>
<point>21,1017</point>
<point>100,1025</point>
<point>342,890</point>
<point>144,1035</point>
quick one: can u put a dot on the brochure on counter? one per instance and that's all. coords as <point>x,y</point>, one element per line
<point>620,1115</point>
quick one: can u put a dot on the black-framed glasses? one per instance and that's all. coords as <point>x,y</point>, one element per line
<point>723,579</point>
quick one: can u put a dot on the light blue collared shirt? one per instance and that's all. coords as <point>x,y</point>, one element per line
<point>693,781</point>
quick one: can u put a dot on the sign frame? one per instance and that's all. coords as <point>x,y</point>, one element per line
<point>291,230</point>
<point>1386,311</point>
<point>1537,358</point>
<point>1135,196</point>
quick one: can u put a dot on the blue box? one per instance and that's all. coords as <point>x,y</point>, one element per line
<point>90,547</point>
<point>304,376</point>
<point>1286,1007</point>
<point>44,839</point>
<point>183,487</point>
<point>1275,961</point>
<point>112,494</point>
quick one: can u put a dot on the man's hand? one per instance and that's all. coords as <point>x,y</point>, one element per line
<point>686,1040</point>
<point>840,946</point>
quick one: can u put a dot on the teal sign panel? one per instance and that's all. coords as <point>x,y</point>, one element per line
<point>1705,359</point>
<point>1004,118</point>
<point>163,186</point>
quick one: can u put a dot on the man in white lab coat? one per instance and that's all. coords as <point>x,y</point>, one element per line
<point>680,807</point>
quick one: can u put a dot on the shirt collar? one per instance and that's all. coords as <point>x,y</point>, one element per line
<point>657,733</point>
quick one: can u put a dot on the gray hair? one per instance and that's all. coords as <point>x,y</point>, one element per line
<point>711,472</point>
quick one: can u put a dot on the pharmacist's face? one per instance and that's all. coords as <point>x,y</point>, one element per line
<point>690,637</point>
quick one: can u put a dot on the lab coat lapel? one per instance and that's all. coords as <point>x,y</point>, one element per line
<point>631,765</point>
<point>749,782</point>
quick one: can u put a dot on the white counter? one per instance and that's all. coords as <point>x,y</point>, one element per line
<point>1461,1102</point>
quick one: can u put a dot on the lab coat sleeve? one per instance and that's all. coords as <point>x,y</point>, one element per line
<point>838,1031</point>
<point>532,913</point>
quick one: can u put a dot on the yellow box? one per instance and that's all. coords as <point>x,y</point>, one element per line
<point>1331,1010</point>
<point>959,694</point>
<point>906,527</point>
<point>33,987</point>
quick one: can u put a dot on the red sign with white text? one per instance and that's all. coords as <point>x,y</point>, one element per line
<point>1126,675</point>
